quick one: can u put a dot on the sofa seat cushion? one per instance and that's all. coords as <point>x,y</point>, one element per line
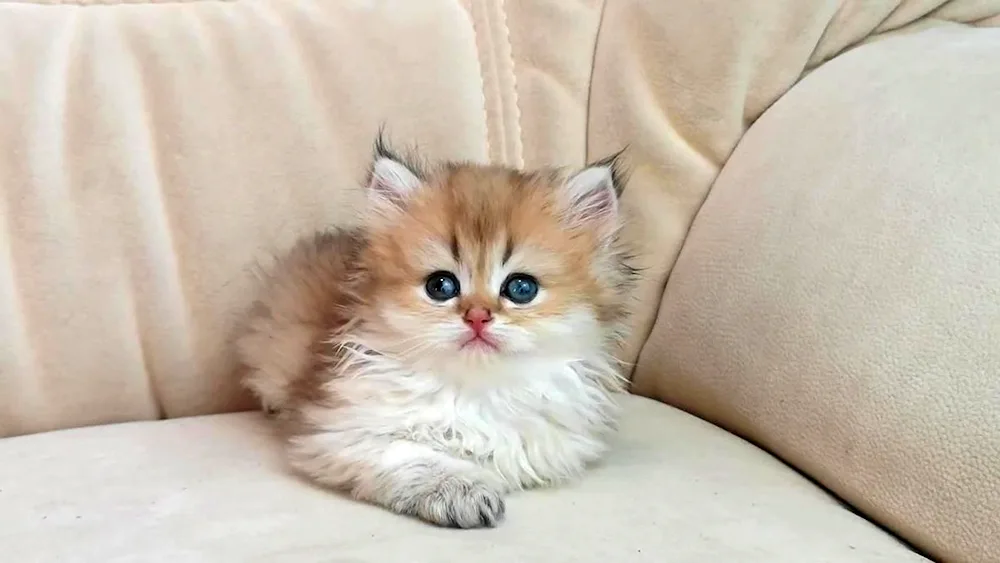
<point>215,488</point>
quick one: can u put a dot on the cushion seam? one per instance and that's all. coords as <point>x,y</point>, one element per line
<point>516,139</point>
<point>476,36</point>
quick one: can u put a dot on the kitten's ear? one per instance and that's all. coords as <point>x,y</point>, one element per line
<point>391,180</point>
<point>592,196</point>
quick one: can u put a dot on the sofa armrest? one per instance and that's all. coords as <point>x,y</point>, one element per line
<point>680,81</point>
<point>838,297</point>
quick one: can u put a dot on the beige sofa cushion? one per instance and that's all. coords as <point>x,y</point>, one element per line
<point>838,298</point>
<point>214,489</point>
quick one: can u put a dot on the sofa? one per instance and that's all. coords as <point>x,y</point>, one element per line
<point>814,201</point>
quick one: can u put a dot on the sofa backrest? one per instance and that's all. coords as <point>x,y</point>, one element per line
<point>153,152</point>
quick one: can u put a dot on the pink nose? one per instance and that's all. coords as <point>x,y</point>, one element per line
<point>477,318</point>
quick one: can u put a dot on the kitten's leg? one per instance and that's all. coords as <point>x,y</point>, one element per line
<point>405,477</point>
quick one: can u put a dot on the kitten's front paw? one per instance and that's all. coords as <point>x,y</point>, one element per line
<point>461,502</point>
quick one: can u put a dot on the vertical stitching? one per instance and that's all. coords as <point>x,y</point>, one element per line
<point>476,32</point>
<point>501,105</point>
<point>516,140</point>
<point>494,100</point>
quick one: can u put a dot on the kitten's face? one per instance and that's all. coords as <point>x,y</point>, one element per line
<point>476,264</point>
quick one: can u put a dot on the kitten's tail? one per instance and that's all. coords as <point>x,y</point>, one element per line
<point>304,296</point>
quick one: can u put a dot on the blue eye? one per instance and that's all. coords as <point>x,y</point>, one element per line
<point>520,289</point>
<point>441,286</point>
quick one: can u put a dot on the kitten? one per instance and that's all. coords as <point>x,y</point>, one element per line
<point>457,346</point>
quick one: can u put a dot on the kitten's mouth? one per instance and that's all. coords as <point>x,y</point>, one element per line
<point>480,342</point>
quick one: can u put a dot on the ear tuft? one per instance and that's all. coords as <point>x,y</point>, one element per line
<point>391,179</point>
<point>592,195</point>
<point>616,164</point>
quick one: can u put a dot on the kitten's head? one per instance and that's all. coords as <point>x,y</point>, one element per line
<point>484,265</point>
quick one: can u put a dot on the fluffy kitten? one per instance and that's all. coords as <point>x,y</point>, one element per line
<point>454,348</point>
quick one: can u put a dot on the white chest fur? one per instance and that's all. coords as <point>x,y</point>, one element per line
<point>538,422</point>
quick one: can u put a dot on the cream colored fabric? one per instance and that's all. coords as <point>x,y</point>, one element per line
<point>214,489</point>
<point>838,298</point>
<point>154,151</point>
<point>680,80</point>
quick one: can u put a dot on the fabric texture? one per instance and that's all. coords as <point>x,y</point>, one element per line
<point>154,152</point>
<point>215,489</point>
<point>680,81</point>
<point>837,298</point>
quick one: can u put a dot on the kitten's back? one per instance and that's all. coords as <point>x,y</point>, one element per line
<point>305,296</point>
